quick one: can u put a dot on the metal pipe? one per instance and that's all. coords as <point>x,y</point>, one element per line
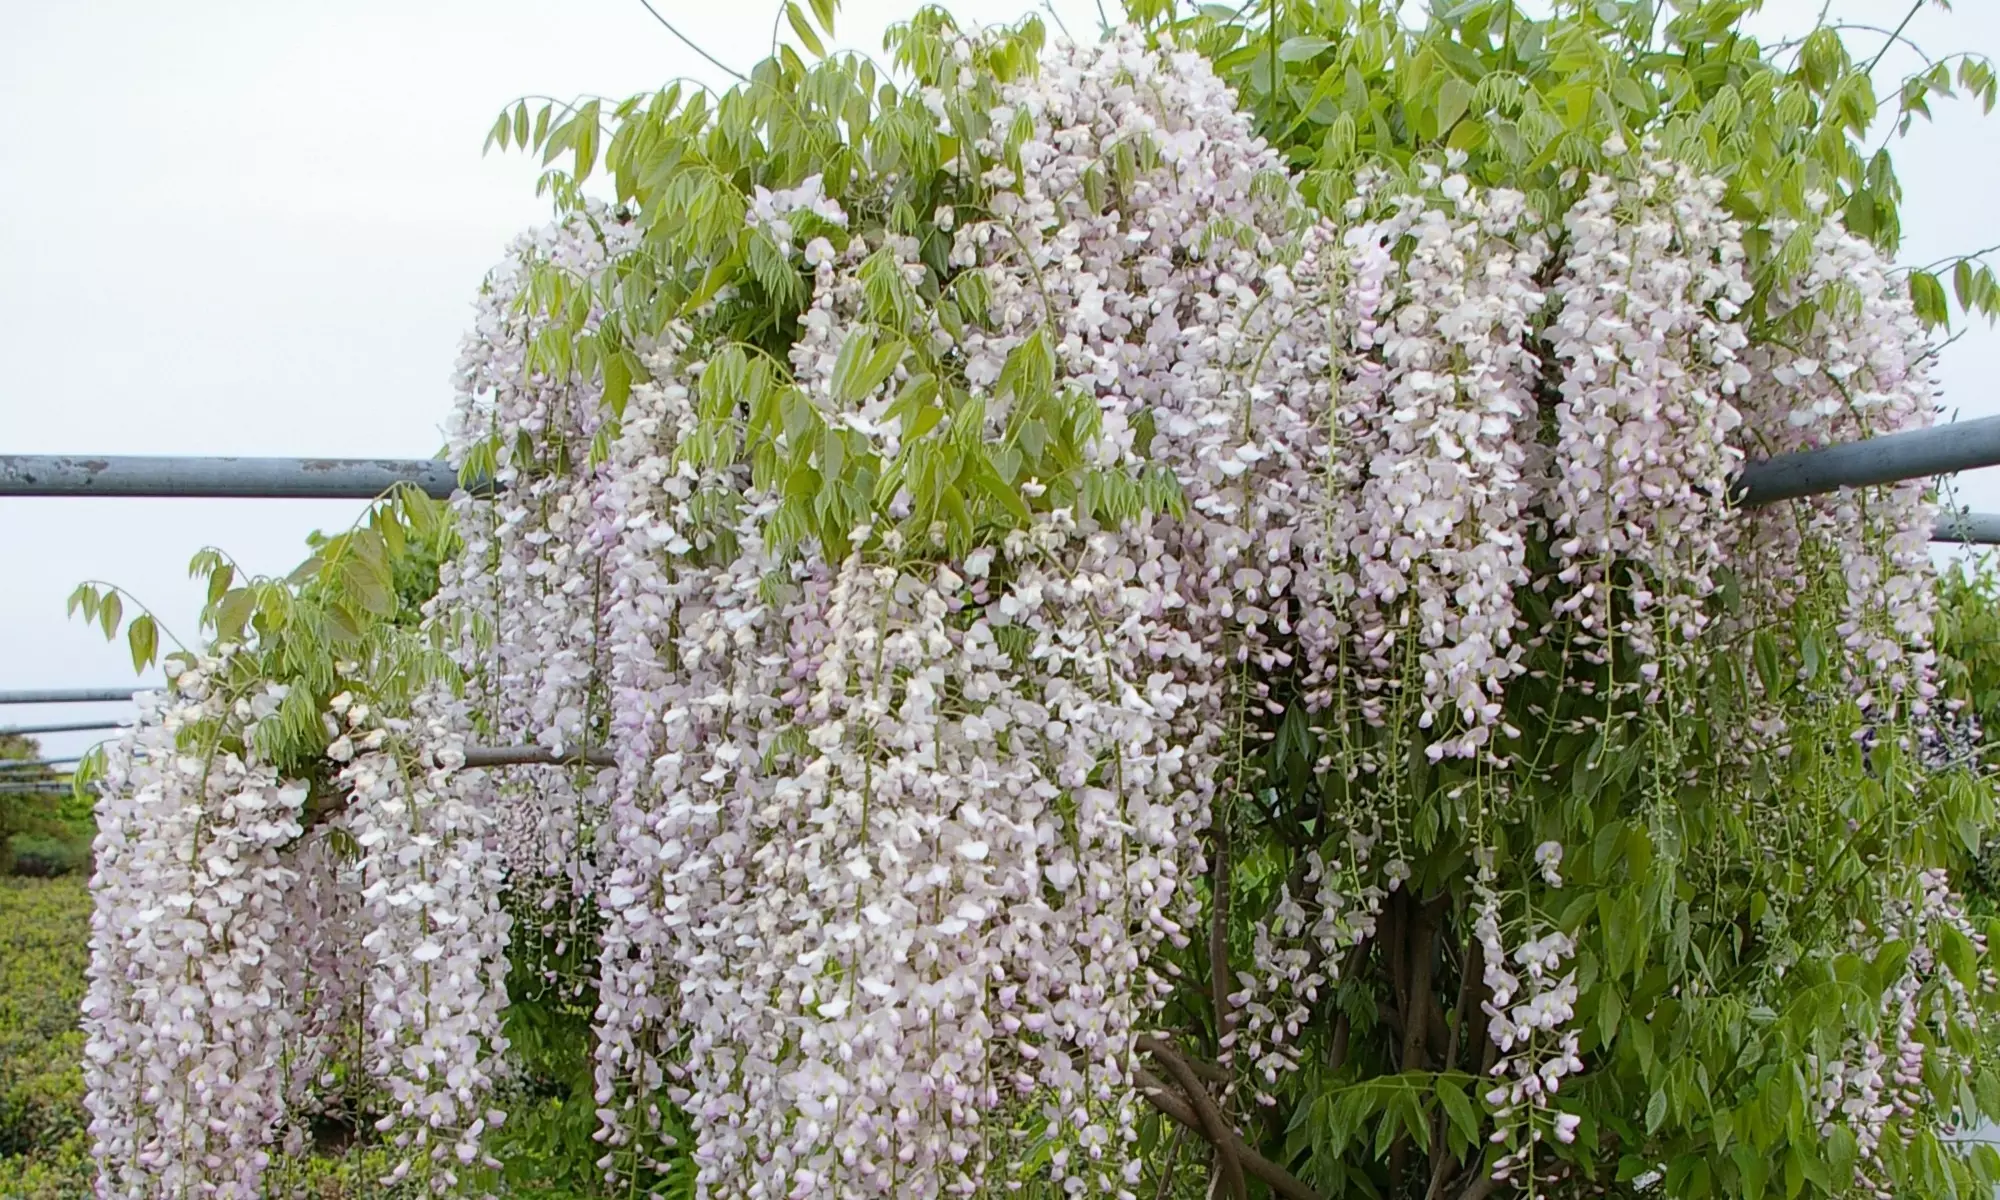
<point>1916,454</point>
<point>528,756</point>
<point>1968,528</point>
<point>252,478</point>
<point>475,756</point>
<point>68,695</point>
<point>80,727</point>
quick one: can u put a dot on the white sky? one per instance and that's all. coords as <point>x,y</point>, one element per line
<point>257,228</point>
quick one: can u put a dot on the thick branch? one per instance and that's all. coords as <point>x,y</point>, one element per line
<point>1481,1187</point>
<point>1395,934</point>
<point>1175,1107</point>
<point>324,806</point>
<point>1156,1043</point>
<point>1213,1127</point>
<point>1443,1164</point>
<point>1419,959</point>
<point>1416,1014</point>
<point>1343,1027</point>
<point>1336,1055</point>
<point>1221,980</point>
<point>1465,1003</point>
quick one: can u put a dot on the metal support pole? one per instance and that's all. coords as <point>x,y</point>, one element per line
<point>1917,454</point>
<point>79,727</point>
<point>253,478</point>
<point>1968,528</point>
<point>21,764</point>
<point>528,756</point>
<point>68,695</point>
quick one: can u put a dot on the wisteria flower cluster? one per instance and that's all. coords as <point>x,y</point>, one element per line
<point>193,980</point>
<point>1649,338</point>
<point>910,641</point>
<point>436,936</point>
<point>1860,365</point>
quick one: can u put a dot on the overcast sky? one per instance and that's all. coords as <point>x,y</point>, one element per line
<point>257,228</point>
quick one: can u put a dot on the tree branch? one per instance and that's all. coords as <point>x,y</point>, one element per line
<point>1213,1127</point>
<point>1173,1160</point>
<point>1481,1187</point>
<point>1440,1160</point>
<point>1158,1043</point>
<point>1419,958</point>
<point>1343,1032</point>
<point>325,806</point>
<point>1220,979</point>
<point>1171,1104</point>
<point>1422,956</point>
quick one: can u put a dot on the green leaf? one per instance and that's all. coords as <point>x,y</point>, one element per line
<point>1960,957</point>
<point>234,612</point>
<point>1770,670</point>
<point>1452,98</point>
<point>862,366</point>
<point>796,18</point>
<point>1656,1111</point>
<point>144,641</point>
<point>1460,1112</point>
<point>1301,48</point>
<point>583,140</point>
<point>219,581</point>
<point>1928,298</point>
<point>109,613</point>
<point>823,10</point>
<point>617,383</point>
<point>999,490</point>
<point>1610,1006</point>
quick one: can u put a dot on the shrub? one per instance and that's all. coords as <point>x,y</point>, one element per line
<point>44,947</point>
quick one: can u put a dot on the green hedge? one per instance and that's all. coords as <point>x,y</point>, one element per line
<point>44,947</point>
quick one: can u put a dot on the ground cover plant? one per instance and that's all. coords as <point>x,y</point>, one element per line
<point>44,948</point>
<point>1158,616</point>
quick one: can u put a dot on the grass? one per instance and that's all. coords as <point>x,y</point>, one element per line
<point>44,947</point>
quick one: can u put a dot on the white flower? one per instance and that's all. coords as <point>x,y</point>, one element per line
<point>1548,860</point>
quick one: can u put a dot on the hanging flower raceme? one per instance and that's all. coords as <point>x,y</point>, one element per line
<point>323,924</point>
<point>1442,410</point>
<point>525,598</point>
<point>191,1001</point>
<point>1857,365</point>
<point>436,937</point>
<point>1877,1088</point>
<point>1651,286</point>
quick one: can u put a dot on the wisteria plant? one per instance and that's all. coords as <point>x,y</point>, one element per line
<point>1161,615</point>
